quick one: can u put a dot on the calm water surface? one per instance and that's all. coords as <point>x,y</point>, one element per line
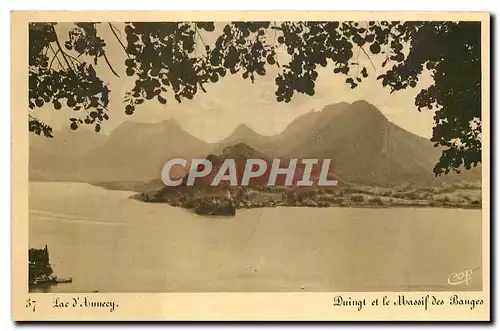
<point>110,243</point>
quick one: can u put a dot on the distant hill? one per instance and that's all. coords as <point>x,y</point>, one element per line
<point>138,151</point>
<point>363,145</point>
<point>244,134</point>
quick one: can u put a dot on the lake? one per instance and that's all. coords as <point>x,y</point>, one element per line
<point>110,243</point>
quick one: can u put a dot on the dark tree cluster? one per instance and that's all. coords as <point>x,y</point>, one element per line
<point>171,60</point>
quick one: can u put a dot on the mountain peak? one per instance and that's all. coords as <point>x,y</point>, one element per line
<point>243,127</point>
<point>337,105</point>
<point>365,105</point>
<point>361,103</point>
<point>241,150</point>
<point>366,111</point>
<point>242,132</point>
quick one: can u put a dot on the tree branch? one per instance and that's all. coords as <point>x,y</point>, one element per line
<point>55,57</point>
<point>109,64</point>
<point>118,38</point>
<point>199,34</point>
<point>274,38</point>
<point>62,52</point>
<point>368,56</point>
<point>74,58</point>
<point>103,107</point>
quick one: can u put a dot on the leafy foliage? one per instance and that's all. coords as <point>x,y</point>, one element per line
<point>452,52</point>
<point>70,81</point>
<point>165,60</point>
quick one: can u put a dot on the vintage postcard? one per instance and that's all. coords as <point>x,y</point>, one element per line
<point>250,166</point>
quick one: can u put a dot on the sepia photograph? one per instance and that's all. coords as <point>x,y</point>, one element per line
<point>256,156</point>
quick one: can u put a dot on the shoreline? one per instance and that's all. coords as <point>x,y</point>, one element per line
<point>367,206</point>
<point>210,203</point>
<point>350,197</point>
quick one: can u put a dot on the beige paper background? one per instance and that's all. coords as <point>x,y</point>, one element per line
<point>221,306</point>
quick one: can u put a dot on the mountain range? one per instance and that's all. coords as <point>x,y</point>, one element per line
<point>363,145</point>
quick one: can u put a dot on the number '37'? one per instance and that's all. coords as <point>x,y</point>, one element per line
<point>31,304</point>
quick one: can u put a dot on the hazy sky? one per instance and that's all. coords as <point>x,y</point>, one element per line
<point>234,101</point>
